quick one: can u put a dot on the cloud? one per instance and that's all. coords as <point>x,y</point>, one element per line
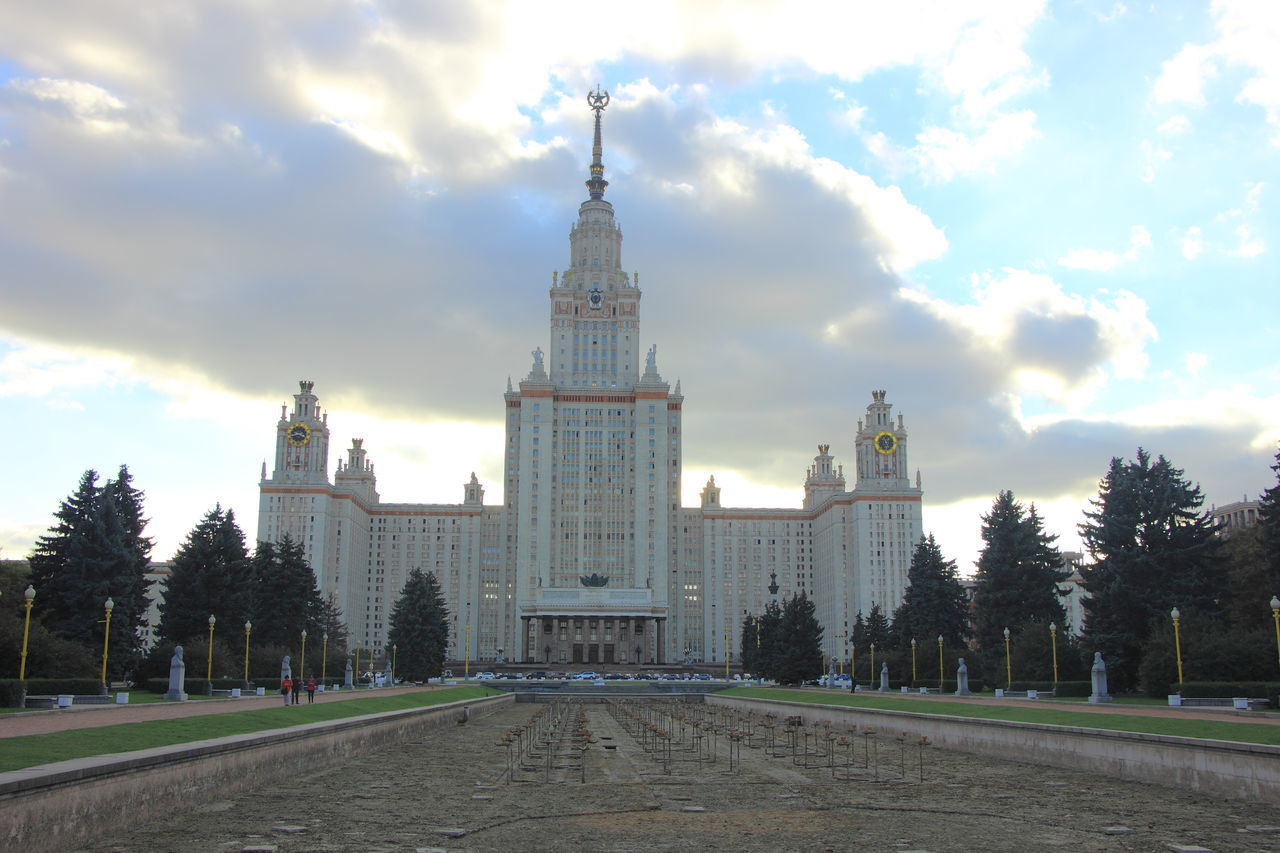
<point>1192,243</point>
<point>1247,32</point>
<point>1103,261</point>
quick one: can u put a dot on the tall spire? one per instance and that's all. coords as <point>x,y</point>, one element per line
<point>597,100</point>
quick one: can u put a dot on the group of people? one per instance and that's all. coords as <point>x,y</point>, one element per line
<point>292,690</point>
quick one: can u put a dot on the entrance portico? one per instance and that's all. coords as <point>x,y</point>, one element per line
<point>593,626</point>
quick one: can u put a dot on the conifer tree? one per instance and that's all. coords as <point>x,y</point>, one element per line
<point>211,577</point>
<point>1269,523</point>
<point>419,627</point>
<point>877,629</point>
<point>935,601</point>
<point>797,654</point>
<point>96,552</point>
<point>1153,550</point>
<point>286,601</point>
<point>1019,570</point>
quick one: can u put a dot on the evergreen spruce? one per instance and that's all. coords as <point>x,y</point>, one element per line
<point>286,601</point>
<point>877,629</point>
<point>797,655</point>
<point>1269,522</point>
<point>747,642</point>
<point>1019,570</point>
<point>420,628</point>
<point>211,577</point>
<point>95,552</point>
<point>935,601</point>
<point>772,636</point>
<point>1153,550</point>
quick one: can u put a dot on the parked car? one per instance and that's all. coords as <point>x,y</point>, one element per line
<point>585,676</point>
<point>483,676</point>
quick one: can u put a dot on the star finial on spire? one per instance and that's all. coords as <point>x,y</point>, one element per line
<point>597,100</point>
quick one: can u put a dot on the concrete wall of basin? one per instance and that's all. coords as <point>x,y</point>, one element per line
<point>1220,768</point>
<point>60,806</point>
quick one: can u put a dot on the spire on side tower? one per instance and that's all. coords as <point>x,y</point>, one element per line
<point>597,100</point>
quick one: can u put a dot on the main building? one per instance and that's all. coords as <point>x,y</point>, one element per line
<point>591,558</point>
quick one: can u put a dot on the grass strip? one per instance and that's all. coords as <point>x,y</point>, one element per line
<point>32,750</point>
<point>1172,726</point>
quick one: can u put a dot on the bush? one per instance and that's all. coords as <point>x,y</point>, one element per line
<point>1233,689</point>
<point>1064,688</point>
<point>197,686</point>
<point>11,689</point>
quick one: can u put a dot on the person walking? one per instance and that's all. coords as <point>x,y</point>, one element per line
<point>297,690</point>
<point>286,687</point>
<point>311,690</point>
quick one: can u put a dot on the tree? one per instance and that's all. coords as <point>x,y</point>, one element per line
<point>1153,550</point>
<point>877,629</point>
<point>211,577</point>
<point>286,601</point>
<point>1248,578</point>
<point>420,627</point>
<point>797,642</point>
<point>96,552</point>
<point>1269,522</point>
<point>1019,570</point>
<point>935,601</point>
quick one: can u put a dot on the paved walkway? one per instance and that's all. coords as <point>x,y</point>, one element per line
<point>93,716</point>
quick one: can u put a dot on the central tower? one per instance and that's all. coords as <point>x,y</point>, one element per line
<point>592,460</point>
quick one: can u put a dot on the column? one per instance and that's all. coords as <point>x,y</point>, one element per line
<point>662,639</point>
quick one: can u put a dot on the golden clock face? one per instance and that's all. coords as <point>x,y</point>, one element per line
<point>885,442</point>
<point>299,433</point>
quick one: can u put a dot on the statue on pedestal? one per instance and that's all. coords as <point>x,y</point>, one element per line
<point>177,677</point>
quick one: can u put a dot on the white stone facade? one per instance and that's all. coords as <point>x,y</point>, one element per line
<point>591,558</point>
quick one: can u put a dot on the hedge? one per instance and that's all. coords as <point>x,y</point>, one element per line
<point>11,689</point>
<point>198,686</point>
<point>1064,688</point>
<point>1270,690</point>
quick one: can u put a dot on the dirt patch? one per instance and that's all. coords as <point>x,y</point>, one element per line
<point>453,790</point>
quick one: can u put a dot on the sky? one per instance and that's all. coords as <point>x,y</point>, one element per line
<point>1047,229</point>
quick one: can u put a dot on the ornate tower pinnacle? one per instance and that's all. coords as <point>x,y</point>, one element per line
<point>597,100</point>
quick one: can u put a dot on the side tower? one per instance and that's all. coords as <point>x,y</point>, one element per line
<point>295,499</point>
<point>887,509</point>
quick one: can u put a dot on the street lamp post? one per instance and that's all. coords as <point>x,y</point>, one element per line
<point>208,671</point>
<point>913,661</point>
<point>393,664</point>
<point>873,663</point>
<point>324,655</point>
<point>357,650</point>
<point>466,648</point>
<point>302,663</point>
<point>1008,663</point>
<point>29,598</point>
<point>106,641</point>
<point>941,679</point>
<point>726,654</point>
<point>248,628</point>
<point>1053,639</point>
<point>1177,641</point>
<point>1275,617</point>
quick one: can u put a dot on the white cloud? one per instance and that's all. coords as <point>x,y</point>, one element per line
<point>1196,362</point>
<point>1175,125</point>
<point>1103,261</point>
<point>1250,245</point>
<point>1152,157</point>
<point>1247,34</point>
<point>944,153</point>
<point>1192,243</point>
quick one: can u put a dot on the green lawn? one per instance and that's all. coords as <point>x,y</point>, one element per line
<point>1242,732</point>
<point>31,750</point>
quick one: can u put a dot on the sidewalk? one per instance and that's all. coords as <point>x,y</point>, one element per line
<point>95,716</point>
